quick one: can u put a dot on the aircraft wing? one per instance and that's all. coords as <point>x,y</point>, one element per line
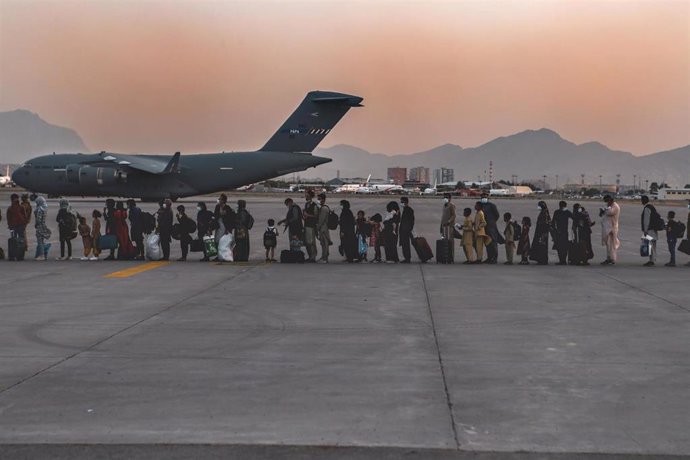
<point>144,163</point>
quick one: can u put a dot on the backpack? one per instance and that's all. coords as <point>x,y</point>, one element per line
<point>148,222</point>
<point>270,239</point>
<point>655,220</point>
<point>678,229</point>
<point>189,225</point>
<point>71,225</point>
<point>517,230</point>
<point>332,220</point>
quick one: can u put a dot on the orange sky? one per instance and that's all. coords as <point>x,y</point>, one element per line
<point>160,76</point>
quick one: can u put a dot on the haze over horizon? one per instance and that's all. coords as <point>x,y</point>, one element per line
<point>212,75</point>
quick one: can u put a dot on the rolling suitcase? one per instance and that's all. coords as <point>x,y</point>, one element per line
<point>684,247</point>
<point>196,246</point>
<point>444,251</point>
<point>15,247</point>
<point>422,249</point>
<point>107,242</point>
<point>577,252</point>
<point>291,257</point>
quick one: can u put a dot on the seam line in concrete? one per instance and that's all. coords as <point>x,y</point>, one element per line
<point>131,326</point>
<point>651,294</point>
<point>449,402</point>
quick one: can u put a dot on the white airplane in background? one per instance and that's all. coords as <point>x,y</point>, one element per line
<point>380,188</point>
<point>6,180</point>
<point>352,188</point>
<point>431,191</point>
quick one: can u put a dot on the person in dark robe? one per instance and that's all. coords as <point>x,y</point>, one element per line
<point>109,219</point>
<point>391,222</point>
<point>125,248</point>
<point>582,233</point>
<point>165,224</point>
<point>561,229</point>
<point>293,222</point>
<point>539,251</point>
<point>136,229</point>
<point>186,227</point>
<point>348,240</point>
<point>244,222</point>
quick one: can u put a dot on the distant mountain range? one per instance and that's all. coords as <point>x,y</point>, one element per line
<point>529,155</point>
<point>24,134</point>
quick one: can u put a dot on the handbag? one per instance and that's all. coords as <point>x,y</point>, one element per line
<point>644,248</point>
<point>684,247</point>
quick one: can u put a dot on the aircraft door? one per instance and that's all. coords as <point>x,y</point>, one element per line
<point>72,173</point>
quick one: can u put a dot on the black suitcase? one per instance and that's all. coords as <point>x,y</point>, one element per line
<point>291,257</point>
<point>444,251</point>
<point>422,248</point>
<point>15,248</point>
<point>684,247</point>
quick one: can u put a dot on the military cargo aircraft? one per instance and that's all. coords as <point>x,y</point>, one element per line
<point>155,177</point>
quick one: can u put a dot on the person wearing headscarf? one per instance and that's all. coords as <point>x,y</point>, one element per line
<point>561,230</point>
<point>245,222</point>
<point>481,239</point>
<point>540,243</point>
<point>391,222</point>
<point>204,223</point>
<point>16,222</point>
<point>348,240</point>
<point>136,228</point>
<point>66,226</point>
<point>43,233</point>
<point>125,248</point>
<point>582,235</point>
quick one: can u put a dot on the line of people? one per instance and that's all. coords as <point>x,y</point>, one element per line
<point>131,234</point>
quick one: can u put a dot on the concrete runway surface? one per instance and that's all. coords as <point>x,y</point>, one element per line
<point>346,360</point>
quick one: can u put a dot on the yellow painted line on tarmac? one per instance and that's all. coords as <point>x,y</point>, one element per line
<point>137,269</point>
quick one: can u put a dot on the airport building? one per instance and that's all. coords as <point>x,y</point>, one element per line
<point>397,175</point>
<point>443,175</point>
<point>420,174</point>
<point>674,194</point>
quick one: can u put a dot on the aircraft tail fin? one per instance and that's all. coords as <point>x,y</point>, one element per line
<point>313,119</point>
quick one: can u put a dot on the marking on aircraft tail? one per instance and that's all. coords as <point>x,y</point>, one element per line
<point>227,168</point>
<point>140,268</point>
<point>315,114</point>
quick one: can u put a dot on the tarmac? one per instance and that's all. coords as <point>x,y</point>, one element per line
<point>364,361</point>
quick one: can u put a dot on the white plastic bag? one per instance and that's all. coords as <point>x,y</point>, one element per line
<point>153,247</point>
<point>225,245</point>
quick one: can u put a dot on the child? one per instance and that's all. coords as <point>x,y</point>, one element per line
<point>468,236</point>
<point>95,234</point>
<point>363,229</point>
<point>375,239</point>
<point>671,238</point>
<point>270,240</point>
<point>524,245</point>
<point>509,235</point>
<point>86,238</point>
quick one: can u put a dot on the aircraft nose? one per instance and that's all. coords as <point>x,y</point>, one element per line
<point>19,176</point>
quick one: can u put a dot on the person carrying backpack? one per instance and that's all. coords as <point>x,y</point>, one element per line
<point>67,229</point>
<point>322,227</point>
<point>673,230</point>
<point>651,225</point>
<point>270,240</point>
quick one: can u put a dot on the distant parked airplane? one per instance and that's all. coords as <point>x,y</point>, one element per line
<point>153,177</point>
<point>6,180</point>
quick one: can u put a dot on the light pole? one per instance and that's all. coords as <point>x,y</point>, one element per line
<point>618,183</point>
<point>634,181</point>
<point>646,185</point>
<point>556,181</point>
<point>544,182</point>
<point>600,182</point>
